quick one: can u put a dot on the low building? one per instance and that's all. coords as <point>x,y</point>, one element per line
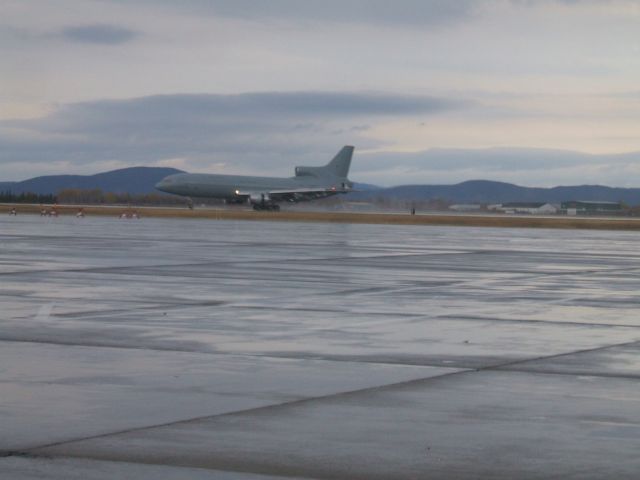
<point>533,208</point>
<point>591,207</point>
<point>466,207</point>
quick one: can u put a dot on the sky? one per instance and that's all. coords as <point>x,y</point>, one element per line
<point>533,92</point>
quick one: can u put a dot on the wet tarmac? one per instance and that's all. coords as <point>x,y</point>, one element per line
<point>200,349</point>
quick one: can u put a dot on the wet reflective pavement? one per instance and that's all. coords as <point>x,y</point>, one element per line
<point>249,350</point>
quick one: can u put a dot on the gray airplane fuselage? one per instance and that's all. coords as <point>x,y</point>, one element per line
<point>309,183</point>
<point>229,186</point>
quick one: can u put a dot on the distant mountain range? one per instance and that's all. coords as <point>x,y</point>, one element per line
<point>488,192</point>
<point>135,180</point>
<point>140,180</point>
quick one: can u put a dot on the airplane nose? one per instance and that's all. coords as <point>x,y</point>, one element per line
<point>162,185</point>
<point>170,184</point>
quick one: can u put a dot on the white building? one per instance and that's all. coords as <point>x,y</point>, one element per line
<point>465,207</point>
<point>533,208</point>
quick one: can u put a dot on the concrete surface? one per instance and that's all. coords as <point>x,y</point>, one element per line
<point>313,212</point>
<point>244,350</point>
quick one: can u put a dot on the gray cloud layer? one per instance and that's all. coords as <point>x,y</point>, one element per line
<point>268,133</point>
<point>524,166</point>
<point>99,34</point>
<point>419,13</point>
<point>416,12</point>
<point>271,106</point>
<point>264,130</point>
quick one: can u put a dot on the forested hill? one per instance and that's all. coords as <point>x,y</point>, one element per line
<point>135,180</point>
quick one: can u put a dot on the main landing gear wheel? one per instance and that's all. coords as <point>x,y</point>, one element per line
<point>272,207</point>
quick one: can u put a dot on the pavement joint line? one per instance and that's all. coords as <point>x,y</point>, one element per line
<point>98,313</point>
<point>319,358</point>
<point>581,272</point>
<point>160,306</point>
<point>99,345</point>
<point>524,369</point>
<point>247,263</point>
<point>13,453</point>
<point>327,359</point>
<point>546,322</point>
<point>512,366</point>
<point>31,450</point>
<point>328,310</point>
<point>142,301</point>
<point>558,355</point>
<point>379,388</point>
<point>216,303</point>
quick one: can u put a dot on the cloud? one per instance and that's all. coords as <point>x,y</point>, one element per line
<point>572,3</point>
<point>248,132</point>
<point>98,34</point>
<point>193,109</point>
<point>412,13</point>
<point>525,166</point>
<point>269,133</point>
<point>489,159</point>
<point>406,12</point>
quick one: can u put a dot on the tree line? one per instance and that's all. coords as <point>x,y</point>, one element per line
<point>76,196</point>
<point>26,197</point>
<point>98,197</point>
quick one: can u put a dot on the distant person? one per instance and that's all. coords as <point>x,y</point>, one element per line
<point>413,211</point>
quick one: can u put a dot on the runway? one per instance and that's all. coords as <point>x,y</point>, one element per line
<point>303,213</point>
<point>193,349</point>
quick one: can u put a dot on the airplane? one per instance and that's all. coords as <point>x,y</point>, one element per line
<point>264,193</point>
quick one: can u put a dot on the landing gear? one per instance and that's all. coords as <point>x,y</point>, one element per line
<point>263,201</point>
<point>272,207</point>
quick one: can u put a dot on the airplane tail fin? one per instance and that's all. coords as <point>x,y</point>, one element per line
<point>340,164</point>
<point>338,167</point>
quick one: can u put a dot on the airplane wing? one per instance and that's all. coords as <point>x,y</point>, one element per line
<point>291,195</point>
